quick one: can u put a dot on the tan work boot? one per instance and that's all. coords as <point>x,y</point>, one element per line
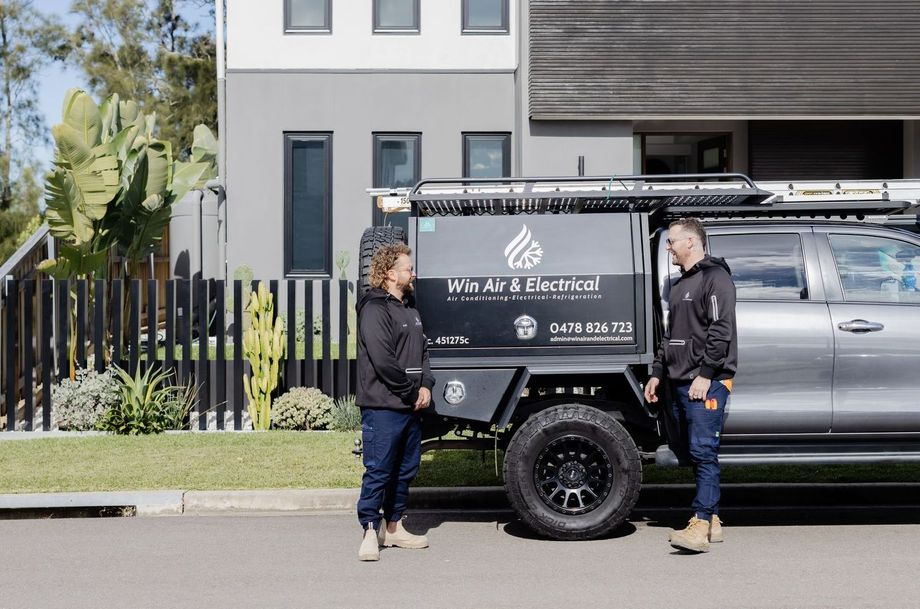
<point>401,538</point>
<point>370,549</point>
<point>694,538</point>
<point>715,530</point>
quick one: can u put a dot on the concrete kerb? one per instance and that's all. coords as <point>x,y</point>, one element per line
<point>178,502</point>
<point>491,498</point>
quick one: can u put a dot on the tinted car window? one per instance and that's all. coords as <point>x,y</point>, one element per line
<point>764,266</point>
<point>876,269</point>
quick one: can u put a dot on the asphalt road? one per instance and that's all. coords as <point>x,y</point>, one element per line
<point>821,556</point>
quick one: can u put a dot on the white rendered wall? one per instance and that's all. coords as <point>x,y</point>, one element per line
<point>256,40</point>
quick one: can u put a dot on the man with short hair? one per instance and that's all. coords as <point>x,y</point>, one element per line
<point>698,355</point>
<point>394,386</point>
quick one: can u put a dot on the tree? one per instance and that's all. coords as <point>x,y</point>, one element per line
<point>147,51</point>
<point>28,40</point>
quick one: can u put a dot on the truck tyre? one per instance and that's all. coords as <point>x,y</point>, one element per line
<point>572,472</point>
<point>372,239</point>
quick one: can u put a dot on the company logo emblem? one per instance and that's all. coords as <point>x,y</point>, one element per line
<point>524,252</point>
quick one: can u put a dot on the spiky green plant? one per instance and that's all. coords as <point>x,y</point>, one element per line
<point>149,404</point>
<point>263,346</point>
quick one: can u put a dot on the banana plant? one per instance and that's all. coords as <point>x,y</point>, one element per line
<point>113,184</point>
<point>263,346</point>
<point>112,188</point>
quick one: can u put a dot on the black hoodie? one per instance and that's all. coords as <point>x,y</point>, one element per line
<point>392,353</point>
<point>701,337</point>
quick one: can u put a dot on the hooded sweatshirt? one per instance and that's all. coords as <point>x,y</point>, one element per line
<point>392,353</point>
<point>701,338</point>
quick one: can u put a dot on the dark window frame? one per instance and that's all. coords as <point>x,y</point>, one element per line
<point>379,218</point>
<point>809,292</point>
<point>506,149</point>
<point>466,29</point>
<point>378,136</point>
<point>289,271</point>
<point>326,28</point>
<point>378,29</point>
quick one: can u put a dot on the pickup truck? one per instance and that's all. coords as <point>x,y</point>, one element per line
<point>543,300</point>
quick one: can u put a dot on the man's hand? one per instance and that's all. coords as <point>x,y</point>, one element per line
<point>650,388</point>
<point>424,398</point>
<point>699,388</point>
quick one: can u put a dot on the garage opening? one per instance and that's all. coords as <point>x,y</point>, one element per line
<point>816,150</point>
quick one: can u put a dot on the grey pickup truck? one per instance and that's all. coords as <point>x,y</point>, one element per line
<point>543,300</point>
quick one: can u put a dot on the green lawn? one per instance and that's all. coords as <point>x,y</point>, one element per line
<point>207,461</point>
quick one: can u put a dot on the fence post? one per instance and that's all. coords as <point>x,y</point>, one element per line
<point>309,363</point>
<point>221,365</point>
<point>28,354</point>
<point>204,374</point>
<point>99,325</point>
<point>342,384</point>
<point>327,338</point>
<point>238,306</point>
<point>11,297</point>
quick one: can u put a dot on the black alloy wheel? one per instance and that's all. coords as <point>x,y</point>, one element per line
<point>572,472</point>
<point>573,475</point>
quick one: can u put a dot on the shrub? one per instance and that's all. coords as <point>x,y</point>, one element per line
<point>148,404</point>
<point>80,404</point>
<point>302,408</point>
<point>346,416</point>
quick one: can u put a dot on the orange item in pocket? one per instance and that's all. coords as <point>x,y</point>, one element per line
<point>728,384</point>
<point>711,404</point>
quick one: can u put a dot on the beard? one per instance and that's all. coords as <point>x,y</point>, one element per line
<point>408,288</point>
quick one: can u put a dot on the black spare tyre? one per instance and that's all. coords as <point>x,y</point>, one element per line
<point>572,472</point>
<point>371,241</point>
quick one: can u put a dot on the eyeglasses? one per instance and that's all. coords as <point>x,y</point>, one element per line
<point>673,241</point>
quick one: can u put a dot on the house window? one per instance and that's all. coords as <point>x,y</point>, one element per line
<point>308,16</point>
<point>396,16</point>
<point>397,164</point>
<point>486,155</point>
<point>308,204</point>
<point>485,16</point>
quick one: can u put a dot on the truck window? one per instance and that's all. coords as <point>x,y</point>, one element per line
<point>764,266</point>
<point>876,269</point>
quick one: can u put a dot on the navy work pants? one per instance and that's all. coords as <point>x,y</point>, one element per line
<point>700,426</point>
<point>392,441</point>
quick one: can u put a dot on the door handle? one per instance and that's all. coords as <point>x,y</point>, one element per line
<point>860,326</point>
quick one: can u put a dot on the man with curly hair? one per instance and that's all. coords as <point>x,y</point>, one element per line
<point>394,386</point>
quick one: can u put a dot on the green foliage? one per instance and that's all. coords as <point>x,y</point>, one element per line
<point>148,404</point>
<point>29,40</point>
<point>263,346</point>
<point>346,416</point>
<point>113,184</point>
<point>80,404</point>
<point>147,51</point>
<point>302,408</point>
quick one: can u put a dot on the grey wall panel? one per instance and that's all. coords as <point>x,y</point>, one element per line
<point>648,58</point>
<point>261,107</point>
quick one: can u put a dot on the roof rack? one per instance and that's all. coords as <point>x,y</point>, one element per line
<point>664,196</point>
<point>565,195</point>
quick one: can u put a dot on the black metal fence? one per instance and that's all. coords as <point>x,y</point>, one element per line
<point>180,325</point>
